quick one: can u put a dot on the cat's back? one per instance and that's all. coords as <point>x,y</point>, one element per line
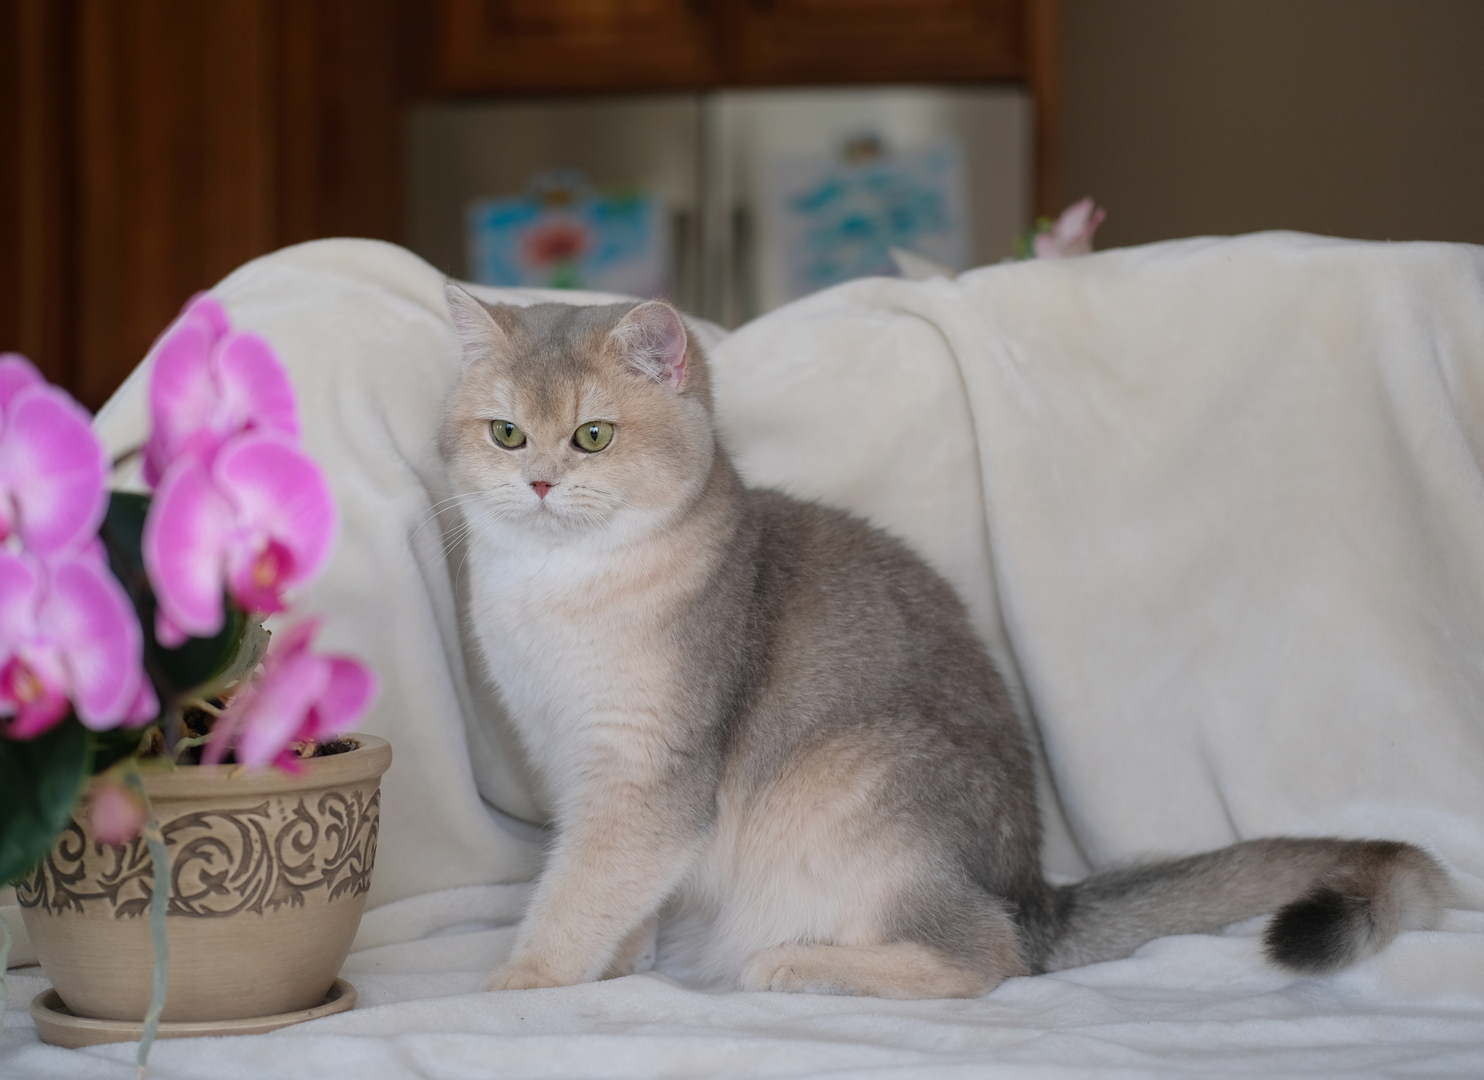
<point>843,568</point>
<point>854,589</point>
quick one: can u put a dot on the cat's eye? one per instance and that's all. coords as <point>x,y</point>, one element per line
<point>507,434</point>
<point>593,436</point>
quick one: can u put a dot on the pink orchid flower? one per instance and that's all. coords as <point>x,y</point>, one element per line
<point>298,696</point>
<point>1071,234</point>
<point>52,467</point>
<point>209,384</point>
<point>258,521</point>
<point>116,813</point>
<point>68,632</point>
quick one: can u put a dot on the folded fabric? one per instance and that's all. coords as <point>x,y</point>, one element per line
<point>1217,501</point>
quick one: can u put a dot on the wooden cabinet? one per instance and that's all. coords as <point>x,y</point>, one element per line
<point>498,46</point>
<point>173,164</point>
<point>824,41</point>
<point>493,46</point>
<point>149,147</point>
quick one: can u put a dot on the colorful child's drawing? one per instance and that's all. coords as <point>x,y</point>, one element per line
<point>563,235</point>
<point>838,217</point>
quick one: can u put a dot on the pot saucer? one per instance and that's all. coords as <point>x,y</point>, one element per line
<point>59,1027</point>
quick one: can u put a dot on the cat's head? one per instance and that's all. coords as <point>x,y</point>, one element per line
<point>569,420</point>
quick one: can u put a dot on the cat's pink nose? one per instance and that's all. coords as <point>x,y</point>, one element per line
<point>541,486</point>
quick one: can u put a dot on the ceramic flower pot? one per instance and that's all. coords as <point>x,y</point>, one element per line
<point>269,873</point>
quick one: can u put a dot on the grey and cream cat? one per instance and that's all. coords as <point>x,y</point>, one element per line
<point>769,726</point>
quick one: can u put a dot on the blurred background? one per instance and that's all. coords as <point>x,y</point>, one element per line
<point>728,154</point>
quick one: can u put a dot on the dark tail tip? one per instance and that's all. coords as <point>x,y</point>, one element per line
<point>1322,932</point>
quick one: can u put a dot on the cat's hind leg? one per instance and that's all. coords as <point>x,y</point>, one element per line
<point>902,970</point>
<point>973,958</point>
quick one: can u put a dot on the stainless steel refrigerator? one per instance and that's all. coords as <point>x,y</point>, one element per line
<point>753,197</point>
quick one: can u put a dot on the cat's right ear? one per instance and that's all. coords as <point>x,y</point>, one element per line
<point>479,335</point>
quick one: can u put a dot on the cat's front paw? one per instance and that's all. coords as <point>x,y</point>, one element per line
<point>779,969</point>
<point>522,976</point>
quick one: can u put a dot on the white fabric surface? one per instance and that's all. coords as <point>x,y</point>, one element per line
<point>1234,497</point>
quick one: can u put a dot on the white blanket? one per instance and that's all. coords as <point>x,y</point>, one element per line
<point>1233,493</point>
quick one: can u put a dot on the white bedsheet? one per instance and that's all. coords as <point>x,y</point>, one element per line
<point>1234,498</point>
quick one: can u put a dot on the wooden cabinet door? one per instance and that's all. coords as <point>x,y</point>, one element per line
<point>488,46</point>
<point>159,144</point>
<point>834,41</point>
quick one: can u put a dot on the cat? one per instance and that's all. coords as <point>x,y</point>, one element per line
<point>768,727</point>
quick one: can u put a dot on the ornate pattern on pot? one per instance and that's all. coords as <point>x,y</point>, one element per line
<point>269,874</point>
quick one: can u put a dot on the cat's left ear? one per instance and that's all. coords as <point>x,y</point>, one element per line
<point>651,340</point>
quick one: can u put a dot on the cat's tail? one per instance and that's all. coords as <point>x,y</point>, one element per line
<point>1336,901</point>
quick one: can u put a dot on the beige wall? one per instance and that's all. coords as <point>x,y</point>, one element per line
<point>1348,117</point>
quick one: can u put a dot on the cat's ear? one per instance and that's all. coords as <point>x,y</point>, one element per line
<point>479,334</point>
<point>651,340</point>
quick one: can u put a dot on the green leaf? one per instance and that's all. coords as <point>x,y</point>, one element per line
<point>123,534</point>
<point>200,661</point>
<point>41,780</point>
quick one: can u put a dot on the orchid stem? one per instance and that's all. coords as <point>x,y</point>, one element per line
<point>5,940</point>
<point>159,900</point>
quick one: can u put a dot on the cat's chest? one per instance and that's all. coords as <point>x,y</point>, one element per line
<point>572,640</point>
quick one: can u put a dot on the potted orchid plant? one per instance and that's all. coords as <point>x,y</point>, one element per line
<point>133,653</point>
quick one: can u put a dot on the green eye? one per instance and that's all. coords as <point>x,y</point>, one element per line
<point>594,436</point>
<point>507,434</point>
